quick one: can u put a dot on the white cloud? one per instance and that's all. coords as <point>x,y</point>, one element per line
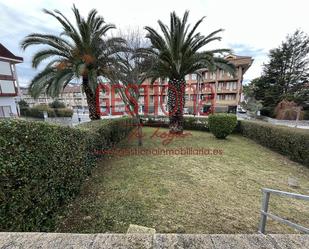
<point>251,27</point>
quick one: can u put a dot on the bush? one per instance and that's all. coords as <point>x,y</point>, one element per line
<point>38,111</point>
<point>57,104</point>
<point>23,104</point>
<point>290,142</point>
<point>222,124</point>
<point>190,123</point>
<point>195,123</point>
<point>267,111</point>
<point>64,112</point>
<point>42,167</point>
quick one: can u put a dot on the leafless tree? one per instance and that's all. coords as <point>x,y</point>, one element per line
<point>130,73</point>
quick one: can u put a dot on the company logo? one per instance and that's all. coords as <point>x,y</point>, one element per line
<point>204,96</point>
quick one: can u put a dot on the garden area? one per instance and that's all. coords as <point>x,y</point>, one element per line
<point>87,180</point>
<point>189,193</point>
<point>177,174</point>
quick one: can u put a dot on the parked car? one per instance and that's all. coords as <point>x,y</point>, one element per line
<point>241,110</point>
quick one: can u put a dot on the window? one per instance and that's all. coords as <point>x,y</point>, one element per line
<point>7,86</point>
<point>205,75</point>
<point>230,96</point>
<point>213,76</point>
<point>235,85</point>
<point>228,85</point>
<point>220,97</point>
<point>193,76</point>
<point>187,77</point>
<point>141,100</point>
<point>5,111</point>
<point>5,68</point>
<point>221,74</point>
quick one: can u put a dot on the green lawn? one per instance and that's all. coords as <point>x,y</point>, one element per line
<point>187,194</point>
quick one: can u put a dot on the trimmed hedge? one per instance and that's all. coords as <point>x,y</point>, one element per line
<point>290,142</point>
<point>63,112</point>
<point>38,112</point>
<point>222,124</point>
<point>42,167</point>
<point>190,123</point>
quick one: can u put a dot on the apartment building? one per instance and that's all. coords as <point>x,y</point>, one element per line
<point>9,86</point>
<point>225,89</point>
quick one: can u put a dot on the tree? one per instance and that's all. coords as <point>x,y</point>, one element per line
<point>177,53</point>
<point>23,104</point>
<point>79,51</point>
<point>286,74</point>
<point>250,103</point>
<point>130,72</point>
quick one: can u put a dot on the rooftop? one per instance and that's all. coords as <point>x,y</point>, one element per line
<point>8,55</point>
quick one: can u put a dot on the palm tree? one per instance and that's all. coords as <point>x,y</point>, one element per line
<point>177,53</point>
<point>79,51</point>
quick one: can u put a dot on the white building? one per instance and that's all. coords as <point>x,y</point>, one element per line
<point>9,87</point>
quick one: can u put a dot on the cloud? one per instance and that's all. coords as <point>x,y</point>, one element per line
<point>251,27</point>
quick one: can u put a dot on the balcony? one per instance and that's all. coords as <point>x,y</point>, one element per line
<point>226,102</point>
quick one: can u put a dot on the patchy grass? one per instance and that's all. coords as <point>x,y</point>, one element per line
<point>189,193</point>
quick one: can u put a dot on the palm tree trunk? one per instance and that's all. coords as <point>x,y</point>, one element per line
<point>91,100</point>
<point>176,103</point>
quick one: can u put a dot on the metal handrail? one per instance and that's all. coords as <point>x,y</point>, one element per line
<point>265,214</point>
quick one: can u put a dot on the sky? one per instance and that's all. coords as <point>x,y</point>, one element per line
<point>251,27</point>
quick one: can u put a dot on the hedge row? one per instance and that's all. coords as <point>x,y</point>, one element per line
<point>42,167</point>
<point>190,123</point>
<point>290,142</point>
<point>38,111</point>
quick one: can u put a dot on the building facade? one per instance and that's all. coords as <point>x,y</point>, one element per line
<point>224,88</point>
<point>9,86</point>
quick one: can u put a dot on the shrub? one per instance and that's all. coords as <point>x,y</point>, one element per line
<point>267,111</point>
<point>23,104</point>
<point>190,123</point>
<point>222,124</point>
<point>195,123</point>
<point>42,167</point>
<point>64,112</point>
<point>290,142</point>
<point>57,104</point>
<point>38,111</point>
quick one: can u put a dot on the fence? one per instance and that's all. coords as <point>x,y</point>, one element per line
<point>265,213</point>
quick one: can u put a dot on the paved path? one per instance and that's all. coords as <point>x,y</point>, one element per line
<point>155,241</point>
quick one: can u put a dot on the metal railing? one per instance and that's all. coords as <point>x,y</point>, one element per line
<point>265,213</point>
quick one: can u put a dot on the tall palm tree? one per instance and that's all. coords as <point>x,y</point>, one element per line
<point>177,53</point>
<point>79,51</point>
